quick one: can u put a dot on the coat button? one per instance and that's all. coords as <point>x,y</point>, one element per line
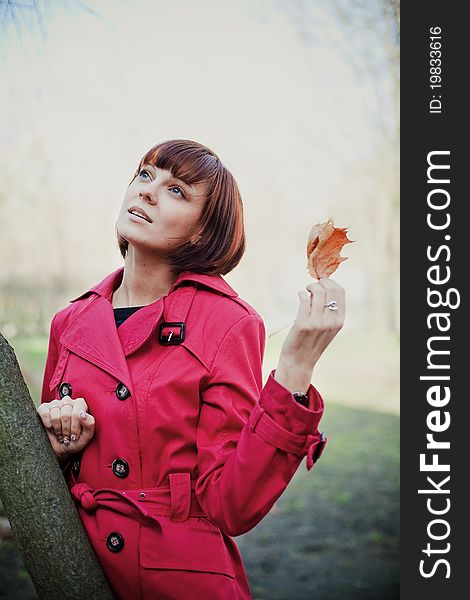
<point>115,542</point>
<point>65,389</point>
<point>122,392</point>
<point>120,468</point>
<point>76,467</point>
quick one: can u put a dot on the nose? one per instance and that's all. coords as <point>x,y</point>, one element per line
<point>148,196</point>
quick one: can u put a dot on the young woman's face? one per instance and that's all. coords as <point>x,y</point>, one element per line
<point>159,211</point>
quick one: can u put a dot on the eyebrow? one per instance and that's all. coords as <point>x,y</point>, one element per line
<point>188,185</point>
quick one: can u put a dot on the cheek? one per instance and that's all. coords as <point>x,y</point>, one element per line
<point>190,218</point>
<point>188,225</point>
<point>181,219</point>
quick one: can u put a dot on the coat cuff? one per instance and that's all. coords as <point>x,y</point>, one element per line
<point>279,403</point>
<point>286,424</point>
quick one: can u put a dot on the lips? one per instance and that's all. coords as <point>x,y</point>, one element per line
<point>139,212</point>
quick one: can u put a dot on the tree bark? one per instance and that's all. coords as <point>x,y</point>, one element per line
<point>54,545</point>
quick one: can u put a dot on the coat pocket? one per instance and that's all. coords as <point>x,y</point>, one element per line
<point>192,545</point>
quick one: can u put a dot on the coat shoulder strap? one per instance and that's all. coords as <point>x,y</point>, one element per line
<point>175,310</point>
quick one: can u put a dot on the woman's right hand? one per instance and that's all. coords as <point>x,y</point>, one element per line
<point>68,424</point>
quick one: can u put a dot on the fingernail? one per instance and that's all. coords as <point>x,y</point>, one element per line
<point>60,438</point>
<point>83,415</point>
<point>66,441</point>
<point>73,437</point>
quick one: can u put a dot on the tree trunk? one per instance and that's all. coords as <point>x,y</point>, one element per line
<point>53,543</point>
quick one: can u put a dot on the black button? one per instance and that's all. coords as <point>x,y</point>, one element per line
<point>65,389</point>
<point>115,542</point>
<point>76,467</point>
<point>122,392</point>
<point>120,468</point>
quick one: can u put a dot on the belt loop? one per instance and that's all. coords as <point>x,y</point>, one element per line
<point>180,494</point>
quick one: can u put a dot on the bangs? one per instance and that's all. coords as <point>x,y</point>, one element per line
<point>187,160</point>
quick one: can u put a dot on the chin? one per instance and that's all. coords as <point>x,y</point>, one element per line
<point>129,231</point>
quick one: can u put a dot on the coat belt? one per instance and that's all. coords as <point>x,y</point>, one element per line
<point>177,500</point>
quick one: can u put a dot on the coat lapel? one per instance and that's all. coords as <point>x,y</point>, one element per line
<point>93,335</point>
<point>137,329</point>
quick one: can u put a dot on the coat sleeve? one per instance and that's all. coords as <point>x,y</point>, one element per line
<point>51,363</point>
<point>250,439</point>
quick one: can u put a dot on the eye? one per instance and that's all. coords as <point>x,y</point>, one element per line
<point>175,187</point>
<point>142,172</point>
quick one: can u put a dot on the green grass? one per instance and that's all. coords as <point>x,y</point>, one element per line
<point>334,533</point>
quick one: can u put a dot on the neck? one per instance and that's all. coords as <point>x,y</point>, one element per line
<point>145,280</point>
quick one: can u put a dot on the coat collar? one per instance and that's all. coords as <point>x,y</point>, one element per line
<point>92,333</point>
<point>215,282</point>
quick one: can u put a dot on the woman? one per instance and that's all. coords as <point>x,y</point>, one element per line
<point>153,398</point>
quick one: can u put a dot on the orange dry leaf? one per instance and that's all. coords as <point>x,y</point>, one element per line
<point>324,247</point>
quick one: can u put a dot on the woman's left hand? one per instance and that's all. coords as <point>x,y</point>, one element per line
<point>313,329</point>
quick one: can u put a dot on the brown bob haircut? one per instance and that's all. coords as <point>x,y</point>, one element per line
<point>221,235</point>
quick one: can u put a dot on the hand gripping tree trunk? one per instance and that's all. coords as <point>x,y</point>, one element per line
<point>53,543</point>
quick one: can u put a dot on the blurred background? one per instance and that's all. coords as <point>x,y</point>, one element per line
<point>300,99</point>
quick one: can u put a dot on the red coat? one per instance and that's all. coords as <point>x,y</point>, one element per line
<point>189,447</point>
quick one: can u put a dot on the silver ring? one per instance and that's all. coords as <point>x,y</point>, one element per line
<point>331,305</point>
<point>62,404</point>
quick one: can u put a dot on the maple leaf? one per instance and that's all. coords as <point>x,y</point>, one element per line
<point>324,247</point>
